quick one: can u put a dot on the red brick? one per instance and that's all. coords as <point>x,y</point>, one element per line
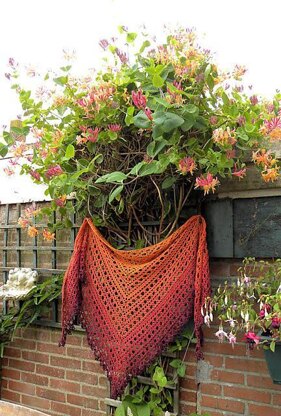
<point>83,377</point>
<point>23,344</point>
<point>247,394</point>
<point>188,383</point>
<point>12,352</point>
<point>186,409</point>
<point>50,371</point>
<point>94,391</point>
<point>66,362</point>
<point>103,382</point>
<point>50,348</point>
<point>86,402</point>
<point>215,360</point>
<point>50,394</point>
<point>36,402</point>
<point>21,365</point>
<point>34,379</point>
<point>259,410</point>
<point>188,396</point>
<point>227,376</point>
<point>262,382</point>
<point>222,404</point>
<point>93,366</point>
<point>65,409</point>
<point>218,268</point>
<point>9,373</point>
<point>37,357</point>
<point>276,399</point>
<point>22,387</point>
<point>85,354</point>
<point>248,364</point>
<point>212,389</point>
<point>10,396</point>
<point>65,386</point>
<point>224,349</point>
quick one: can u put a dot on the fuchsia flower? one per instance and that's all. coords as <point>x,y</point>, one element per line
<point>187,165</point>
<point>276,322</point>
<point>221,334</point>
<point>232,339</point>
<point>207,183</point>
<point>53,171</point>
<point>251,338</point>
<point>139,99</point>
<point>114,127</point>
<point>265,309</point>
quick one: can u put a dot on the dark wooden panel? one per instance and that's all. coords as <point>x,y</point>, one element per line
<point>219,217</point>
<point>257,227</point>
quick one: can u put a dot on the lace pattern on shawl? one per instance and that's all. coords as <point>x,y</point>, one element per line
<point>133,303</point>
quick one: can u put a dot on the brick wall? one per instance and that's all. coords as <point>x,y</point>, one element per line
<point>69,382</point>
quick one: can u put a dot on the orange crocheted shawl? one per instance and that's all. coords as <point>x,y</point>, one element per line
<point>133,303</point>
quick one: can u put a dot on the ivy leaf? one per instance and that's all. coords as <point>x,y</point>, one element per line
<point>115,193</point>
<point>70,152</point>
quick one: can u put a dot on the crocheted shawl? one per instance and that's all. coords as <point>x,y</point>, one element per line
<point>133,303</point>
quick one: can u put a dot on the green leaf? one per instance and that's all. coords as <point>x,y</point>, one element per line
<point>141,120</point>
<point>145,44</point>
<point>272,346</point>
<point>3,150</point>
<point>120,411</point>
<point>155,147</point>
<point>61,80</point>
<point>131,36</point>
<point>181,370</point>
<point>188,124</point>
<point>167,121</point>
<point>207,70</point>
<point>191,108</point>
<point>149,168</point>
<point>112,177</point>
<point>70,152</point>
<point>168,182</point>
<point>115,193</point>
<point>143,410</point>
<point>157,81</point>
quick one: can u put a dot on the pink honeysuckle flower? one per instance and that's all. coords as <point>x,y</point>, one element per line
<point>241,120</point>
<point>139,100</point>
<point>122,56</point>
<point>213,120</point>
<point>207,183</point>
<point>35,174</point>
<point>60,202</point>
<point>148,113</point>
<point>221,334</point>
<point>254,100</point>
<point>9,171</point>
<point>92,134</point>
<point>103,44</point>
<point>114,127</point>
<point>187,165</point>
<point>273,123</point>
<point>82,102</point>
<point>53,171</point>
<point>239,173</point>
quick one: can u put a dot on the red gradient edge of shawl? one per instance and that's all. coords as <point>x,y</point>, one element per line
<point>72,311</point>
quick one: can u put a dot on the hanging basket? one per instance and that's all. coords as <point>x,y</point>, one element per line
<point>273,360</point>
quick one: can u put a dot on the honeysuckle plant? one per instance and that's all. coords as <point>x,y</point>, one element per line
<point>249,307</point>
<point>131,142</point>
